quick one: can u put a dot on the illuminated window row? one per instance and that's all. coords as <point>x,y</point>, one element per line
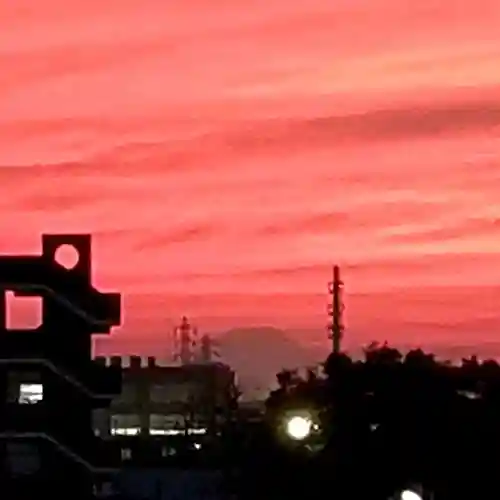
<point>134,431</point>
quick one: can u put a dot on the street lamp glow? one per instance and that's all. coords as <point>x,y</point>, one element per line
<point>410,495</point>
<point>300,427</point>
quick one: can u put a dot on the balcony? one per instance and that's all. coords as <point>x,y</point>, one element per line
<point>36,421</point>
<point>33,275</point>
<point>99,383</point>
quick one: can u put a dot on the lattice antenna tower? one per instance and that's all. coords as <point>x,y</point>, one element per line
<point>336,311</point>
<point>207,349</point>
<point>185,340</point>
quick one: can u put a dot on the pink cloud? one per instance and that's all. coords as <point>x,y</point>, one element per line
<point>240,150</point>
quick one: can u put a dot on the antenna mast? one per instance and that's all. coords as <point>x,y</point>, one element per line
<point>336,310</point>
<point>207,350</point>
<point>184,340</point>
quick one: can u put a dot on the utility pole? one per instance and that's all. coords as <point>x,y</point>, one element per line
<point>335,311</point>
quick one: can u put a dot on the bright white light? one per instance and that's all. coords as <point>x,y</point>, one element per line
<point>175,432</point>
<point>410,495</point>
<point>159,432</point>
<point>30,393</point>
<point>299,428</point>
<point>197,431</point>
<point>126,431</point>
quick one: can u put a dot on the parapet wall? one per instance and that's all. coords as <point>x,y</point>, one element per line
<point>146,362</point>
<point>127,361</point>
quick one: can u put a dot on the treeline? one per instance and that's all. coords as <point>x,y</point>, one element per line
<point>386,421</point>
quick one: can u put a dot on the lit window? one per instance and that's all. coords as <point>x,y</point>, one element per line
<point>126,453</point>
<point>171,425</point>
<point>30,393</point>
<point>176,432</point>
<point>125,431</point>
<point>125,425</point>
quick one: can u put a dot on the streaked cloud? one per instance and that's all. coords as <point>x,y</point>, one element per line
<point>224,155</point>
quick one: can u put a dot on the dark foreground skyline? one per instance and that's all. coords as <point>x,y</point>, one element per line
<point>224,162</point>
<point>404,422</point>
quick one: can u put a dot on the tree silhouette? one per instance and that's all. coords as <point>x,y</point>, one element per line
<point>397,419</point>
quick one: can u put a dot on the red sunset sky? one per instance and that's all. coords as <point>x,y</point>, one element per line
<point>225,154</point>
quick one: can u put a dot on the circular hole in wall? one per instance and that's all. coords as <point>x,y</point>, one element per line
<point>67,256</point>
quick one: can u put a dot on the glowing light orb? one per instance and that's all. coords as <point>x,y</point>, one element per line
<point>410,495</point>
<point>300,427</point>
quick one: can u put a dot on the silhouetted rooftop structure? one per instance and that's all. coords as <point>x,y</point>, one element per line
<point>158,400</point>
<point>50,383</point>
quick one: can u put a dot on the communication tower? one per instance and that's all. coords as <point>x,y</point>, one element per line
<point>336,310</point>
<point>207,349</point>
<point>185,340</point>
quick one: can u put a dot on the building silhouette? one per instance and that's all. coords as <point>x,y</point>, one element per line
<point>162,401</point>
<point>49,383</point>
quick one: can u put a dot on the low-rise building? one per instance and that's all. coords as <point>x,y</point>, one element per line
<point>170,400</point>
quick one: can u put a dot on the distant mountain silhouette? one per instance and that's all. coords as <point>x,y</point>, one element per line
<point>258,353</point>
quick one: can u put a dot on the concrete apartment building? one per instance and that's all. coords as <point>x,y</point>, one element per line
<point>49,385</point>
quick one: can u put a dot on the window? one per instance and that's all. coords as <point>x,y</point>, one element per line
<point>171,425</point>
<point>126,453</point>
<point>171,421</point>
<point>125,425</point>
<point>125,431</point>
<point>30,393</point>
<point>166,425</point>
<point>25,387</point>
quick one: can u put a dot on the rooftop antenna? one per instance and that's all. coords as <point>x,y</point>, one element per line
<point>336,310</point>
<point>207,349</point>
<point>184,342</point>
